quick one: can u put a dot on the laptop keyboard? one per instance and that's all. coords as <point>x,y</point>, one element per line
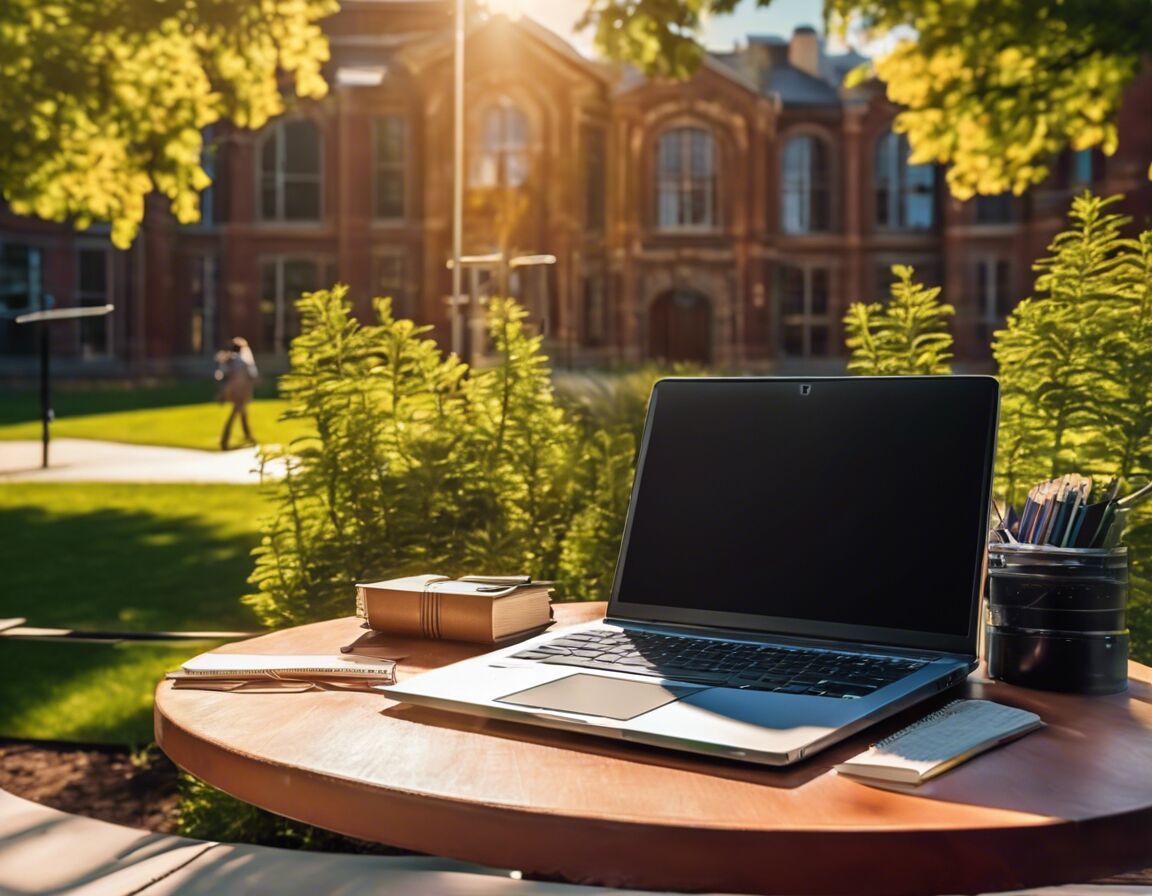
<point>787,670</point>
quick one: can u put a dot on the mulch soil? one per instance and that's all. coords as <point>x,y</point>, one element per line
<point>110,783</point>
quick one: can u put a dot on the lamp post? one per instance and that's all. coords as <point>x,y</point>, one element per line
<point>44,318</point>
<point>458,184</point>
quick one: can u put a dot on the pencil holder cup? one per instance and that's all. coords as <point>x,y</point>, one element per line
<point>1057,617</point>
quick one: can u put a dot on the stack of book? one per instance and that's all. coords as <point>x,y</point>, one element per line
<point>481,609</point>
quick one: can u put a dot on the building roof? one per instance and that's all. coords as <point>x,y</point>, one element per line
<point>766,55</point>
<point>797,88</point>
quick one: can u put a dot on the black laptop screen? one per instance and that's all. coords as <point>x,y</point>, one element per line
<point>858,502</point>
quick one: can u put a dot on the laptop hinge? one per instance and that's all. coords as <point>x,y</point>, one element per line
<point>776,638</point>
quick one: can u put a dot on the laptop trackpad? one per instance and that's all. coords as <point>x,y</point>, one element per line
<point>595,695</point>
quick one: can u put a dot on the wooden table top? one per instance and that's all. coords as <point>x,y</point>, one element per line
<point>1068,803</point>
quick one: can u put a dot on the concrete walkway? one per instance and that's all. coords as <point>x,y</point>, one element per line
<point>85,460</point>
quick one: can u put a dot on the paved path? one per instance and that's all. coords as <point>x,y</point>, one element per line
<point>86,460</point>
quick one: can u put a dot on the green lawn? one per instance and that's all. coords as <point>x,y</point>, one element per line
<point>114,556</point>
<point>181,415</point>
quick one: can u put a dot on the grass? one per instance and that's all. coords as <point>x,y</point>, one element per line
<point>109,556</point>
<point>180,416</point>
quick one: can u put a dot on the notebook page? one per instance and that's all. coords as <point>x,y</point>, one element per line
<point>960,730</point>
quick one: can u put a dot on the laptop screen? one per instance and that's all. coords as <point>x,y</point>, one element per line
<point>847,507</point>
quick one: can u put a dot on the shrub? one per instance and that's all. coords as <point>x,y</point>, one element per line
<point>415,463</point>
<point>909,335</point>
<point>1075,366</point>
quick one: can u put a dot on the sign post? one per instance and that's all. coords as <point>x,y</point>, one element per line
<point>44,318</point>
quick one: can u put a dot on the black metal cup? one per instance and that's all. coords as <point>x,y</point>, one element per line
<point>1057,617</point>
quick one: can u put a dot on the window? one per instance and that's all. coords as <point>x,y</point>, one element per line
<point>290,179</point>
<point>390,155</point>
<point>804,194</point>
<point>998,209</point>
<point>993,296</point>
<point>805,319</point>
<point>282,282</point>
<point>503,157</point>
<point>205,287</point>
<point>1082,170</point>
<point>905,193</point>
<point>21,278</point>
<point>595,311</point>
<point>389,280</point>
<point>92,289</point>
<point>208,163</point>
<point>686,180</point>
<point>595,177</point>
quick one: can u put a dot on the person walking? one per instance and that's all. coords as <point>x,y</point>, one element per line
<point>236,373</point>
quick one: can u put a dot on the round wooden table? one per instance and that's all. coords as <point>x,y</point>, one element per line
<point>1068,803</point>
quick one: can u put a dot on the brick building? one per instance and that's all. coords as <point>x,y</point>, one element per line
<point>728,219</point>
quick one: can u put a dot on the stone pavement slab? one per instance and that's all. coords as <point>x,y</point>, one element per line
<point>87,460</point>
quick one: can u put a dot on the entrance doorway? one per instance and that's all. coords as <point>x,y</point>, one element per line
<point>680,327</point>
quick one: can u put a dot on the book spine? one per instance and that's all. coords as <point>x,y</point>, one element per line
<point>428,614</point>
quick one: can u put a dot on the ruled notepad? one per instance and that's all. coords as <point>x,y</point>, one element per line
<point>940,741</point>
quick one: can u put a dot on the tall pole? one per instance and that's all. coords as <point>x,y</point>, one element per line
<point>458,186</point>
<point>45,394</point>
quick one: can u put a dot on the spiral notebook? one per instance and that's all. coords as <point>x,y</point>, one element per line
<point>940,741</point>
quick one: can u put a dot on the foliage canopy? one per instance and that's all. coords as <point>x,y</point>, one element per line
<point>994,90</point>
<point>103,102</point>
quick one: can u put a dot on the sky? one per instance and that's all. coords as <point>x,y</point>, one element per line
<point>780,18</point>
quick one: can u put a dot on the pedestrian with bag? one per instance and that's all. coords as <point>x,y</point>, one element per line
<point>236,374</point>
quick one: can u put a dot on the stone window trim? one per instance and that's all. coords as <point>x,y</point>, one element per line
<point>685,182</point>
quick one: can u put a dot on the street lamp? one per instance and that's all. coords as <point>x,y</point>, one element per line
<point>44,318</point>
<point>458,184</point>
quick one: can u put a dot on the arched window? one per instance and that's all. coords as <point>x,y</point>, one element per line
<point>503,157</point>
<point>290,176</point>
<point>686,179</point>
<point>805,202</point>
<point>905,193</point>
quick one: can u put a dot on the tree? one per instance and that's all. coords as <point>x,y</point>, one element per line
<point>907,336</point>
<point>995,90</point>
<point>103,102</point>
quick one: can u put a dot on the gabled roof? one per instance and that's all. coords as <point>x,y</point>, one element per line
<point>768,54</point>
<point>631,78</point>
<point>797,88</point>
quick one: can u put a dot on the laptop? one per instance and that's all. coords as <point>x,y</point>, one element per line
<point>801,558</point>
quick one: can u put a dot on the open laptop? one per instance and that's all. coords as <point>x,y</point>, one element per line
<point>801,558</point>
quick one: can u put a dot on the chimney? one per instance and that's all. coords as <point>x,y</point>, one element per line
<point>804,50</point>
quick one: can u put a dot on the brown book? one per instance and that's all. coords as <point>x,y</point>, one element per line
<point>430,606</point>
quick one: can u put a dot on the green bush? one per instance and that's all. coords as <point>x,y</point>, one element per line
<point>1075,367</point>
<point>415,463</point>
<point>907,336</point>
